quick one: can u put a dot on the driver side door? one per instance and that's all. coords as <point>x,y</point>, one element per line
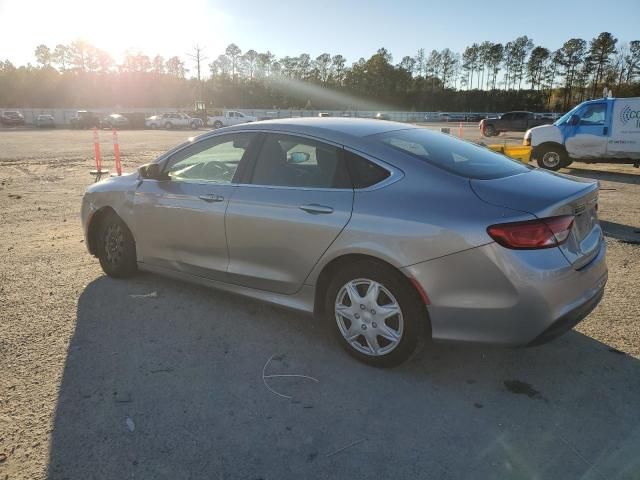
<point>180,220</point>
<point>588,139</point>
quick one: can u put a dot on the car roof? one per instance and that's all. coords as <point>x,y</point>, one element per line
<point>330,128</point>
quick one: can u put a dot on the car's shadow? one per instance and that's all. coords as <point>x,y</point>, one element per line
<point>619,177</point>
<point>170,385</point>
<point>619,231</point>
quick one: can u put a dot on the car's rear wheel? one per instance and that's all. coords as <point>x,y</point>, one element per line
<point>153,126</point>
<point>217,124</point>
<point>168,125</point>
<point>376,314</point>
<point>552,157</point>
<point>116,247</point>
<point>490,131</point>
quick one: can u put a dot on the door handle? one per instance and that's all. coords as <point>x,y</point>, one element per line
<point>211,197</point>
<point>315,209</point>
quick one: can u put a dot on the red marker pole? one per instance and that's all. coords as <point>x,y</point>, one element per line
<point>96,149</point>
<point>116,151</point>
<point>460,130</point>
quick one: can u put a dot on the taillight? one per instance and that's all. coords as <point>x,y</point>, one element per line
<point>532,234</point>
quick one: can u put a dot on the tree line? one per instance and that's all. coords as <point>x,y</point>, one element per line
<point>485,76</point>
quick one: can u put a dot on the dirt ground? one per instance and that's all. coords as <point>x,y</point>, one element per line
<point>98,383</point>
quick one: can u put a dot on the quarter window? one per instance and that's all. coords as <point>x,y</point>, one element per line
<point>211,160</point>
<point>364,173</point>
<point>290,161</point>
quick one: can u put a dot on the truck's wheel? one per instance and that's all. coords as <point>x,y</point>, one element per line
<point>490,131</point>
<point>217,124</point>
<point>168,125</point>
<point>552,157</point>
<point>194,126</point>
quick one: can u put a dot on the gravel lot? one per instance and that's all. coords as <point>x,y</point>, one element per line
<point>152,378</point>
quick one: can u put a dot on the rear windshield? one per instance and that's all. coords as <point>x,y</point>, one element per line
<point>455,156</point>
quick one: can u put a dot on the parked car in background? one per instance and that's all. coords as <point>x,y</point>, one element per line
<point>45,121</point>
<point>519,121</point>
<point>85,119</point>
<point>115,120</point>
<point>173,120</point>
<point>475,117</point>
<point>605,130</point>
<point>224,119</point>
<point>324,114</point>
<point>11,118</point>
<point>442,238</point>
<point>153,122</point>
<point>382,116</point>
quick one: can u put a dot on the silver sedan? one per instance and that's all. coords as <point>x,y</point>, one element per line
<point>386,231</point>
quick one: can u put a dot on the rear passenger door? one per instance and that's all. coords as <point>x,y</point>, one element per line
<point>295,200</point>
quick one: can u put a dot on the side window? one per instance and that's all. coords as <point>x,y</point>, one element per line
<point>364,173</point>
<point>593,114</point>
<point>291,161</point>
<point>507,116</point>
<point>212,160</point>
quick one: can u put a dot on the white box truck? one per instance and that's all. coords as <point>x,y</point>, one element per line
<point>596,131</point>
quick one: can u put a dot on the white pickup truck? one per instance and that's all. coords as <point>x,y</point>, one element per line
<point>230,117</point>
<point>173,120</point>
<point>604,130</point>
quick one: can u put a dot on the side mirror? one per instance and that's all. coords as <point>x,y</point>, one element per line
<point>574,120</point>
<point>152,171</point>
<point>298,157</point>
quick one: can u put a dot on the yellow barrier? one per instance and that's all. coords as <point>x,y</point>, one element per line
<point>517,152</point>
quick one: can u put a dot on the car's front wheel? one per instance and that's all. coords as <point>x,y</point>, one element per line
<point>168,125</point>
<point>375,312</point>
<point>116,247</point>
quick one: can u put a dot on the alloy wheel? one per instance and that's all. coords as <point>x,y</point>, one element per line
<point>114,244</point>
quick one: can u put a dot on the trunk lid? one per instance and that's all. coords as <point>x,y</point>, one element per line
<point>546,194</point>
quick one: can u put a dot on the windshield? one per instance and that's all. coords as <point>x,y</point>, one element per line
<point>455,156</point>
<point>565,118</point>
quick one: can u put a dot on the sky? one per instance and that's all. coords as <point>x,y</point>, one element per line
<point>353,28</point>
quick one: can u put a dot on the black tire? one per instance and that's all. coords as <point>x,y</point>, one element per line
<point>168,125</point>
<point>116,247</point>
<point>194,126</point>
<point>552,157</point>
<point>217,124</point>
<point>489,131</point>
<point>413,312</point>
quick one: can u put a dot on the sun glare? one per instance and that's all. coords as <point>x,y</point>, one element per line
<point>118,26</point>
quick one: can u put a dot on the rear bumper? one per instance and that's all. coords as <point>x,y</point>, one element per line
<point>568,320</point>
<point>491,294</point>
